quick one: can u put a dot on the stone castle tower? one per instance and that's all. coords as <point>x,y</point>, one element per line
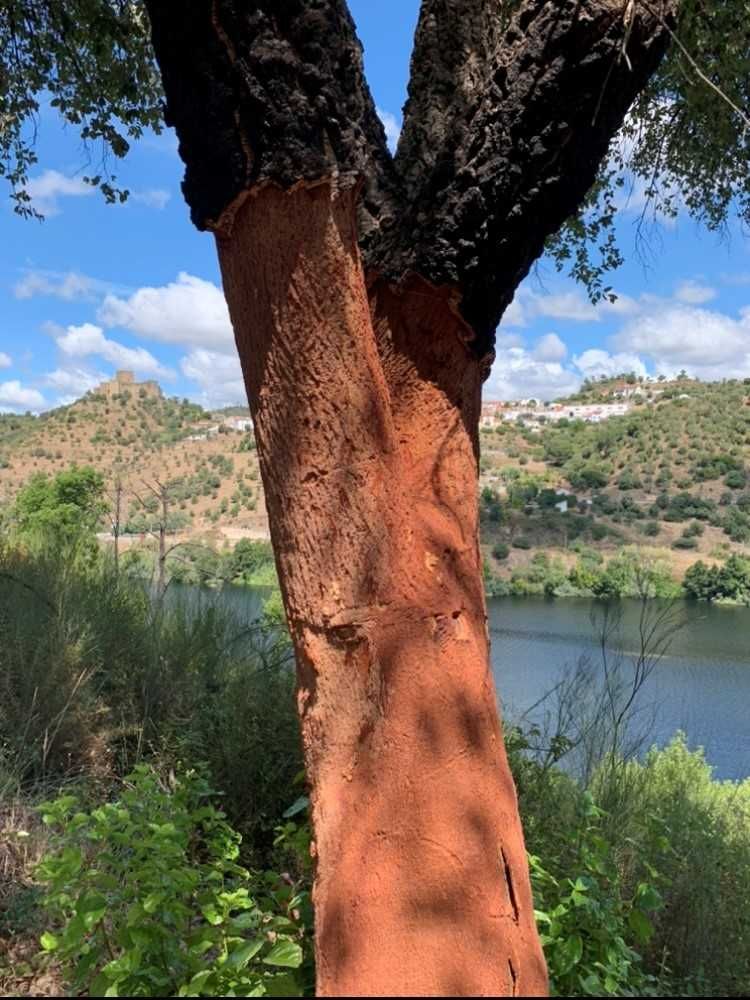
<point>124,381</point>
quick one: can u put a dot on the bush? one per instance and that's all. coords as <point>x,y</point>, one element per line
<point>736,480</point>
<point>522,542</point>
<point>699,839</point>
<point>685,543</point>
<point>500,551</point>
<point>629,481</point>
<point>146,898</point>
<point>92,668</point>
<point>586,916</point>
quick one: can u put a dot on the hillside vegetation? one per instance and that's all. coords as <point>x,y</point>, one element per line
<point>568,507</point>
<point>212,478</point>
<point>670,480</point>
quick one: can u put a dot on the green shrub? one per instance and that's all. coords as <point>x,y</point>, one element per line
<point>500,551</point>
<point>736,480</point>
<point>685,543</point>
<point>522,542</point>
<point>146,898</point>
<point>698,837</point>
<point>586,917</point>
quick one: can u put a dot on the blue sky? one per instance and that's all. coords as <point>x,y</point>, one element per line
<point>97,287</point>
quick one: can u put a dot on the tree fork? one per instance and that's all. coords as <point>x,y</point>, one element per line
<point>366,433</point>
<point>364,379</point>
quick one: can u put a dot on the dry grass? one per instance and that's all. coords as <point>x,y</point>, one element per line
<point>22,843</point>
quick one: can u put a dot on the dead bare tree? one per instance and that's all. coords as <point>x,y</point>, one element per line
<point>115,517</point>
<point>161,529</point>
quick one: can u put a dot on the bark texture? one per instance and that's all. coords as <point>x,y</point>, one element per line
<point>511,109</point>
<point>369,459</point>
<point>364,292</point>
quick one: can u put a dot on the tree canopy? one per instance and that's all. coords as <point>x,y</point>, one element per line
<point>89,59</point>
<point>63,507</point>
<point>684,145</point>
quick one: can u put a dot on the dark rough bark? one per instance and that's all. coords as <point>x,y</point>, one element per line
<point>272,90</point>
<point>508,119</point>
<point>503,136</point>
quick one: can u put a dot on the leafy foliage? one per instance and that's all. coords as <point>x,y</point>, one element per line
<point>585,916</point>
<point>89,59</point>
<point>63,507</point>
<point>146,898</point>
<point>685,143</point>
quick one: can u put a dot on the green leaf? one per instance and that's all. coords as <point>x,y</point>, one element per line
<point>48,941</point>
<point>239,958</point>
<point>298,806</point>
<point>571,953</point>
<point>641,926</point>
<point>285,953</point>
<point>283,985</point>
<point>648,898</point>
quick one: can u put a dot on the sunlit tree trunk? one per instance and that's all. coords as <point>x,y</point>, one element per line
<point>364,293</point>
<point>366,422</point>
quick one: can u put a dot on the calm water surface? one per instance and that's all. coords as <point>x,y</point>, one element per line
<point>702,686</point>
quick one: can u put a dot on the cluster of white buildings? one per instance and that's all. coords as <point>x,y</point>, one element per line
<point>536,415</point>
<point>241,424</point>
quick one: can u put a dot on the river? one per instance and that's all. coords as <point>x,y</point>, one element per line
<point>700,686</point>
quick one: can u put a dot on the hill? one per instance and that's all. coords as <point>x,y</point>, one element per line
<point>561,495</point>
<point>140,437</point>
<point>670,476</point>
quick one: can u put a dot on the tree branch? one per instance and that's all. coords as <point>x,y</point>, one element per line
<point>512,106</point>
<point>264,91</point>
<point>505,131</point>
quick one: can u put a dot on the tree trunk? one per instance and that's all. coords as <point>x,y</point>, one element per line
<point>366,402</point>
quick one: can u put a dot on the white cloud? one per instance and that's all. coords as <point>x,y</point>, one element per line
<point>596,362</point>
<point>392,127</point>
<point>67,285</point>
<point>87,339</point>
<point>707,343</point>
<point>514,315</point>
<point>152,198</point>
<point>189,311</point>
<point>15,396</point>
<point>46,190</point>
<point>517,374</point>
<point>73,382</point>
<point>571,305</point>
<point>219,377</point>
<point>550,348</point>
<point>694,293</point>
<point>5,360</point>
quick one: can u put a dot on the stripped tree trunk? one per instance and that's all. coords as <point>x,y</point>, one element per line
<point>364,293</point>
<point>366,429</point>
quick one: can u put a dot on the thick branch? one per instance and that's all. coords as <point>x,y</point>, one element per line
<point>268,91</point>
<point>511,110</point>
<point>505,131</point>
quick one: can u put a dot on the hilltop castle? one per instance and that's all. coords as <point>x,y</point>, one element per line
<point>125,382</point>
